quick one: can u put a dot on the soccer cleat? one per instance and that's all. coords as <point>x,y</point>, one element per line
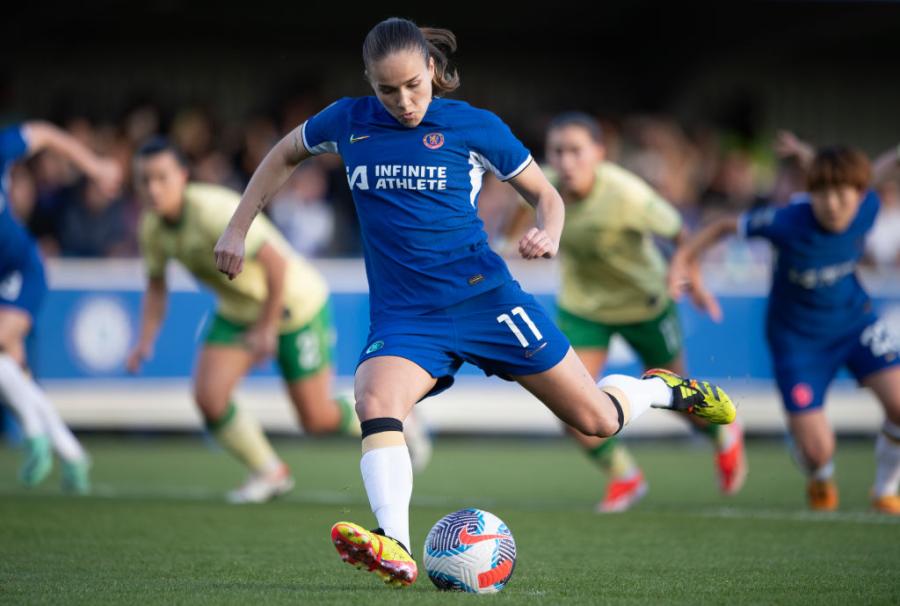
<point>418,441</point>
<point>623,493</point>
<point>822,495</point>
<point>372,551</point>
<point>888,504</point>
<point>38,461</point>
<point>263,487</point>
<point>731,463</point>
<point>76,477</point>
<point>699,398</point>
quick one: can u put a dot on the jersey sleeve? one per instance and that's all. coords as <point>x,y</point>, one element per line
<point>647,210</point>
<point>12,144</point>
<point>496,149</point>
<point>322,132</point>
<point>868,210</point>
<point>154,258</point>
<point>763,222</point>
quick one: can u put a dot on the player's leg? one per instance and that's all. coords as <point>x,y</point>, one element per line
<point>222,363</point>
<point>886,386</point>
<point>875,362</point>
<point>386,389</point>
<point>20,297</point>
<point>660,344</point>
<point>626,484</point>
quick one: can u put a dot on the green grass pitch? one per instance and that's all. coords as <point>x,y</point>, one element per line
<point>157,531</point>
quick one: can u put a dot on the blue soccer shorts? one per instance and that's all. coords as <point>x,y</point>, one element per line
<point>504,332</point>
<point>23,285</point>
<point>804,368</point>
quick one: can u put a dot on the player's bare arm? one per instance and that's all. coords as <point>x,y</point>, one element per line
<point>103,171</point>
<point>153,312</point>
<point>684,271</point>
<point>550,213</point>
<point>262,338</point>
<point>270,175</point>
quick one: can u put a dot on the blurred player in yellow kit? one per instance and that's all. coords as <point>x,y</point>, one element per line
<point>277,307</point>
<point>614,282</point>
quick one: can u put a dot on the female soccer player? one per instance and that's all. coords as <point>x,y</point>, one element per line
<point>279,306</point>
<point>819,317</point>
<point>614,282</point>
<point>22,289</point>
<point>439,295</point>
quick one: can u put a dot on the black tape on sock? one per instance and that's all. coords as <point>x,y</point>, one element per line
<point>380,425</point>
<point>619,411</point>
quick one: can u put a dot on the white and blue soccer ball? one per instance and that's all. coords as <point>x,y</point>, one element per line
<point>470,550</point>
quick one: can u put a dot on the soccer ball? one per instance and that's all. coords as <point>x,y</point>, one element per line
<point>470,550</point>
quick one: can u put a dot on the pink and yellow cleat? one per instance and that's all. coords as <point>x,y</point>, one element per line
<point>372,551</point>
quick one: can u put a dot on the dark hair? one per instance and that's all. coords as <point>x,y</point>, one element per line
<point>839,165</point>
<point>159,145</point>
<point>396,34</point>
<point>579,119</point>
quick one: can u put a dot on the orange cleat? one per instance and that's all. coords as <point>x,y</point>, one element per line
<point>888,504</point>
<point>622,494</point>
<point>822,495</point>
<point>731,464</point>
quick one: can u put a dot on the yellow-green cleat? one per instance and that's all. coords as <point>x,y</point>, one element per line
<point>699,398</point>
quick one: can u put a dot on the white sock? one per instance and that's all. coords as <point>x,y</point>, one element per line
<point>641,393</point>
<point>28,416</point>
<point>822,474</point>
<point>387,476</point>
<point>23,393</point>
<point>887,460</point>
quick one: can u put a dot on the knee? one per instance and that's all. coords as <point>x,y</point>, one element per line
<point>316,425</point>
<point>597,421</point>
<point>210,401</point>
<point>370,405</point>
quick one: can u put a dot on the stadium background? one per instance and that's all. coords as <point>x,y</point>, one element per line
<point>690,97</point>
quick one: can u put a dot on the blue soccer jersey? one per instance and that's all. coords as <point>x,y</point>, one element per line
<point>815,289</point>
<point>416,193</point>
<point>15,242</point>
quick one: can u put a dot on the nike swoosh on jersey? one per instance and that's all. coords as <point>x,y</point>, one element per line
<point>471,539</point>
<point>355,139</point>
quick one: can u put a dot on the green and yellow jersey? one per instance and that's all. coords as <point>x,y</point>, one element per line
<point>612,272</point>
<point>206,211</point>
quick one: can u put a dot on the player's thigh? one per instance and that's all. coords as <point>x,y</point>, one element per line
<point>389,386</point>
<point>593,359</point>
<point>569,391</point>
<point>312,399</point>
<point>219,369</point>
<point>15,324</point>
<point>885,384</point>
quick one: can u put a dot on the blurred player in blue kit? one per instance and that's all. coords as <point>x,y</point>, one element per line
<point>22,289</point>
<point>819,317</point>
<point>439,296</point>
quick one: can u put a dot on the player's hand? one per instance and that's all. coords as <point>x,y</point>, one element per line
<point>537,243</point>
<point>789,145</point>
<point>686,277</point>
<point>107,175</point>
<point>229,252</point>
<point>136,358</point>
<point>261,342</point>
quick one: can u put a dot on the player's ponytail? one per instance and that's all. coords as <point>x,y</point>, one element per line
<point>397,34</point>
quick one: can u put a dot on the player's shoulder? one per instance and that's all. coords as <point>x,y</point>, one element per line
<point>209,196</point>
<point>619,176</point>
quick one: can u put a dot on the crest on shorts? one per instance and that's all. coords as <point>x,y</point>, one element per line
<point>375,347</point>
<point>433,140</point>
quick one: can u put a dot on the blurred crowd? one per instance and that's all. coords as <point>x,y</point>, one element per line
<point>704,172</point>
